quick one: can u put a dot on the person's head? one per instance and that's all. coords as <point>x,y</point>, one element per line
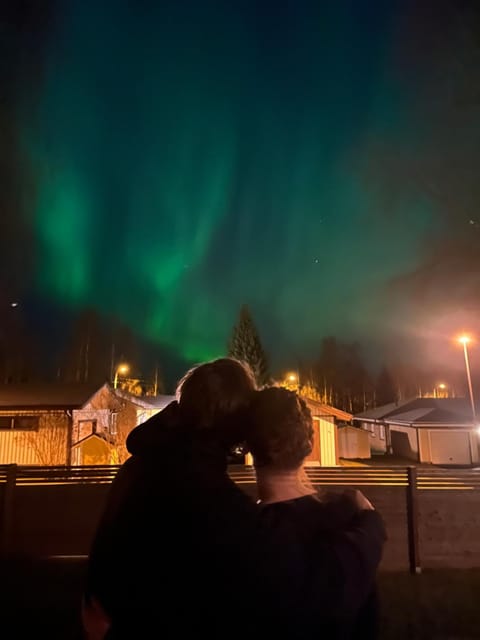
<point>280,433</point>
<point>212,394</point>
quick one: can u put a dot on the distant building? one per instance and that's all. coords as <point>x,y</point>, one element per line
<point>325,451</point>
<point>69,424</point>
<point>433,430</point>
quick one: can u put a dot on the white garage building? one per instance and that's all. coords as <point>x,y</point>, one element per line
<point>436,430</point>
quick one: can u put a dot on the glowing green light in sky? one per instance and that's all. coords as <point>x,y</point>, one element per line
<point>192,158</point>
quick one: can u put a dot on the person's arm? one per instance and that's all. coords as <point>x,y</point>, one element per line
<point>109,545</point>
<point>358,550</point>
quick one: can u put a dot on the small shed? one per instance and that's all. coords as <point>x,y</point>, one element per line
<point>353,443</point>
<point>325,452</point>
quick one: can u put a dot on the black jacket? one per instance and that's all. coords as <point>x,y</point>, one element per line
<point>182,551</point>
<point>338,550</point>
<point>178,542</point>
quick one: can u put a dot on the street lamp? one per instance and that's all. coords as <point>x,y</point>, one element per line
<point>292,381</point>
<point>439,390</point>
<point>122,370</point>
<point>465,340</point>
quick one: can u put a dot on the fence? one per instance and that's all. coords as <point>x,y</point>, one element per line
<point>432,515</point>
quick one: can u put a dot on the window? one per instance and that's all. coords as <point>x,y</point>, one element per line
<point>19,423</point>
<point>26,423</point>
<point>86,427</point>
<point>5,423</point>
<point>381,432</point>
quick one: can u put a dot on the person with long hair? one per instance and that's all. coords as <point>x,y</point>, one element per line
<point>333,543</point>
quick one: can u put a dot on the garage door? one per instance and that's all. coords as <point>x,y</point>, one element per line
<point>450,447</point>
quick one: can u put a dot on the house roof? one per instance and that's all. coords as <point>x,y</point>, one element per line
<point>320,409</point>
<point>447,411</point>
<point>380,412</point>
<point>146,402</point>
<point>155,402</point>
<point>45,396</point>
<point>90,437</point>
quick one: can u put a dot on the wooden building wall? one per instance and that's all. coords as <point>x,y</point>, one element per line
<point>45,446</point>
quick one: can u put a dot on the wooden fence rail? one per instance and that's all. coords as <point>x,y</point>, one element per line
<point>432,515</point>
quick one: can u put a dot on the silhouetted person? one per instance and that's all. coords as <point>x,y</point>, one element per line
<point>178,536</point>
<point>341,531</point>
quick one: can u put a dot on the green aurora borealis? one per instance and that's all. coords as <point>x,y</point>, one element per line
<point>193,156</point>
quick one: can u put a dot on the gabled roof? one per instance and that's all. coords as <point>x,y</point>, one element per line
<point>320,409</point>
<point>422,411</point>
<point>146,402</point>
<point>90,437</point>
<point>380,412</point>
<point>45,396</point>
<point>155,402</point>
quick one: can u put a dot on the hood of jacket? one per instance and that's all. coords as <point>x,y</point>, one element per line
<point>159,431</point>
<point>165,437</point>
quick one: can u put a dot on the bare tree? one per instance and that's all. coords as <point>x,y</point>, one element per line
<point>50,442</point>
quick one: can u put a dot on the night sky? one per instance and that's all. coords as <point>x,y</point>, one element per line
<point>169,161</point>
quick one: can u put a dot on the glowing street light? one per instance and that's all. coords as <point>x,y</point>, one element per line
<point>439,390</point>
<point>122,370</point>
<point>292,377</point>
<point>465,340</point>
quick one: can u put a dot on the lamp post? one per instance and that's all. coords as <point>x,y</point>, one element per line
<point>440,391</point>
<point>122,369</point>
<point>465,340</point>
<point>293,381</point>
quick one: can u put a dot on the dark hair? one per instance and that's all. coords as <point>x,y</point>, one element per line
<point>212,392</point>
<point>280,433</point>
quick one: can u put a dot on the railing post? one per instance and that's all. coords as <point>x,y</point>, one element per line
<point>8,508</point>
<point>412,521</point>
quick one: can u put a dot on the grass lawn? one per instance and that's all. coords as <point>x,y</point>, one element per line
<point>41,600</point>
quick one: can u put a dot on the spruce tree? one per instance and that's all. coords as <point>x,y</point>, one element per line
<point>245,345</point>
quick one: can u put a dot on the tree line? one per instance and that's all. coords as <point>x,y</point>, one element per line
<point>87,351</point>
<point>338,374</point>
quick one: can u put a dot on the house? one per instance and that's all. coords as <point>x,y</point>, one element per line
<point>69,424</point>
<point>101,426</point>
<point>433,430</point>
